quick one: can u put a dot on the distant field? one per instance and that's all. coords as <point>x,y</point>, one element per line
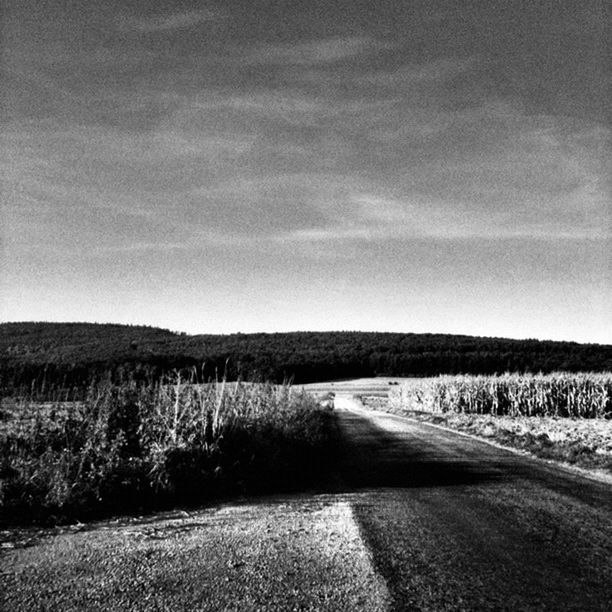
<point>359,386</point>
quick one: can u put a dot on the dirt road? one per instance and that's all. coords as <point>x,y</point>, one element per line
<point>420,519</point>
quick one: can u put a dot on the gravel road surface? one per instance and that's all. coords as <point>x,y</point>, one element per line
<point>421,519</point>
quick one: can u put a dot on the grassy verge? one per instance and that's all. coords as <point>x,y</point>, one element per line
<point>586,443</point>
<point>132,447</point>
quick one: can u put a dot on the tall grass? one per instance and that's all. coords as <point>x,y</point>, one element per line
<point>586,395</point>
<point>140,446</point>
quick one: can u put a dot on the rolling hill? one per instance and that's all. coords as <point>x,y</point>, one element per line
<point>74,352</point>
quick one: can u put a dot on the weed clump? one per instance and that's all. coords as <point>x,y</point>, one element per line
<point>136,447</point>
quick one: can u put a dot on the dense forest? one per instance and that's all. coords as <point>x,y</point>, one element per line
<point>69,354</point>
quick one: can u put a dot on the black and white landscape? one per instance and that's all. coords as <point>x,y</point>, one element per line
<point>305,305</point>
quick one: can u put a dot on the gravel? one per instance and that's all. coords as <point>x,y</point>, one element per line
<point>293,554</point>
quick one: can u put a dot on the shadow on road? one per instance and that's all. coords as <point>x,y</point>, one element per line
<point>417,456</point>
<point>373,457</point>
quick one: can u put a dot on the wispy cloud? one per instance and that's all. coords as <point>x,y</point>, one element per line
<point>165,23</point>
<point>289,106</point>
<point>441,69</point>
<point>379,220</point>
<point>323,51</point>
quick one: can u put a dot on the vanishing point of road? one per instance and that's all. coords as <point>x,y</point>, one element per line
<point>420,518</point>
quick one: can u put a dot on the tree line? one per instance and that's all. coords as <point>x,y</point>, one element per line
<point>74,354</point>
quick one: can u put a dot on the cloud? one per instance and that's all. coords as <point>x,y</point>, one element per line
<point>323,51</point>
<point>357,216</point>
<point>290,106</point>
<point>286,167</point>
<point>178,21</point>
<point>442,69</point>
<point>66,175</point>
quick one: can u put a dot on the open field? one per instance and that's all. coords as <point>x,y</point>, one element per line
<point>373,386</point>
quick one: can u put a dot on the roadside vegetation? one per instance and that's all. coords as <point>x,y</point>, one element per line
<point>586,443</point>
<point>562,416</point>
<point>133,447</point>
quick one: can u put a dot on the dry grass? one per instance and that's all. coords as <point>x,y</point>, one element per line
<point>586,443</point>
<point>134,446</point>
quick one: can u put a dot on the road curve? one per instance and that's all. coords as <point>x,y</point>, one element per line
<point>418,519</point>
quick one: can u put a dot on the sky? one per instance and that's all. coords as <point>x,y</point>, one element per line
<point>250,165</point>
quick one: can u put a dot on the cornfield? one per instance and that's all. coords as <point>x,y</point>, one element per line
<point>584,395</point>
